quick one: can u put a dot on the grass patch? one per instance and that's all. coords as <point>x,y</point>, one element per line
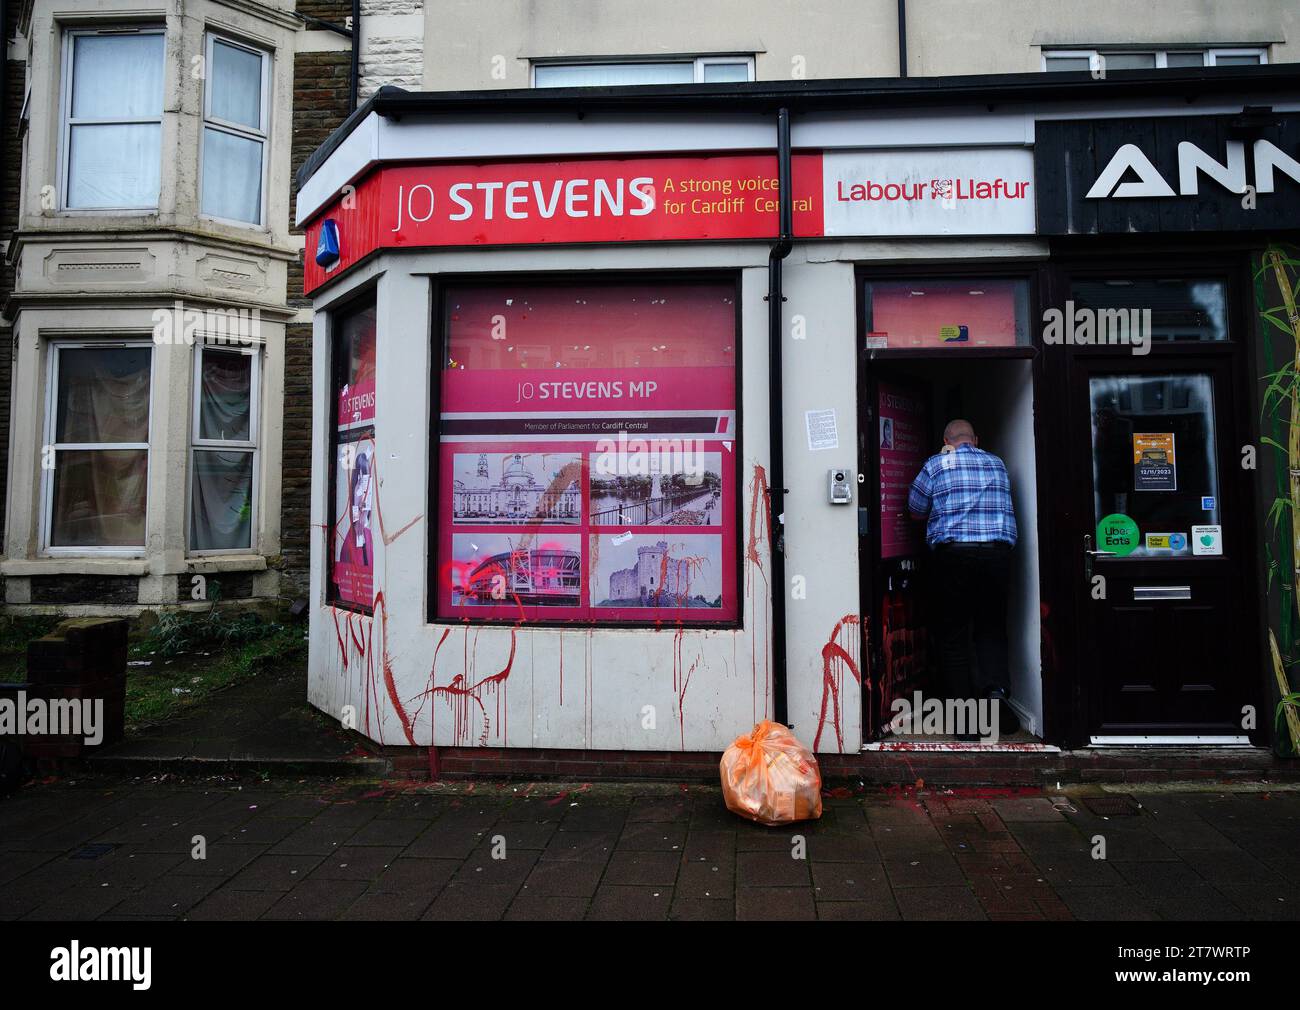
<point>193,656</point>
<point>183,658</point>
<point>15,633</point>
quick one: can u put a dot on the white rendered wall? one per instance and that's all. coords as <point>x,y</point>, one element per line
<point>454,685</point>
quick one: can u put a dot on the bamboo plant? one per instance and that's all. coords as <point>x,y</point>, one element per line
<point>1282,394</point>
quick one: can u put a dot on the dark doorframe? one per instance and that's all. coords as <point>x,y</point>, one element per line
<point>871,362</point>
<point>1072,512</point>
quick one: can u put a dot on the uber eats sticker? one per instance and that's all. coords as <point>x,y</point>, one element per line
<point>1153,461</point>
<point>1118,534</point>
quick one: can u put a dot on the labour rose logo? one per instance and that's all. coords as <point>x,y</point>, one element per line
<point>942,189</point>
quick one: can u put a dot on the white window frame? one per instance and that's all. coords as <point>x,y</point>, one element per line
<point>66,122</point>
<point>709,61</point>
<point>1212,55</point>
<point>262,135</point>
<point>698,63</point>
<point>1161,54</point>
<point>250,445</point>
<point>51,430</point>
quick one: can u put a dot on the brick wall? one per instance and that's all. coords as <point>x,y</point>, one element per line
<point>320,104</point>
<point>10,179</point>
<point>335,11</point>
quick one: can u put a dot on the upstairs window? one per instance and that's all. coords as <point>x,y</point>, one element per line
<point>234,131</point>
<point>112,119</point>
<point>701,70</point>
<point>1150,59</point>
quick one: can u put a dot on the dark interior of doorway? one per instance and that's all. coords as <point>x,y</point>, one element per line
<point>996,396</point>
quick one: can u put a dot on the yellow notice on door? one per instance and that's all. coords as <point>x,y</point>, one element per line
<point>1154,467</point>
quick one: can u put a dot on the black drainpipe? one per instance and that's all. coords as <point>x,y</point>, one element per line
<point>902,38</point>
<point>356,55</point>
<point>776,430</point>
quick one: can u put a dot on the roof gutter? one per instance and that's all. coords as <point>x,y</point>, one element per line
<point>354,69</point>
<point>902,38</point>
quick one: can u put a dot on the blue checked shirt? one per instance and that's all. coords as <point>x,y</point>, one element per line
<point>967,495</point>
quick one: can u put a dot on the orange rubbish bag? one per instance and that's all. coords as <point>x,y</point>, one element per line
<point>770,777</point>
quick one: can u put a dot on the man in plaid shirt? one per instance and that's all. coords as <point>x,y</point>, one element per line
<point>964,495</point>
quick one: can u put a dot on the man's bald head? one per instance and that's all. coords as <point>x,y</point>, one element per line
<point>959,431</point>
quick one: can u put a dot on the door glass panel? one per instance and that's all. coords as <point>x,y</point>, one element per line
<point>1170,308</point>
<point>1155,465</point>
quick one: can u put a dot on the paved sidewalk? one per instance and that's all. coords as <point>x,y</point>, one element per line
<point>314,849</point>
<point>263,723</point>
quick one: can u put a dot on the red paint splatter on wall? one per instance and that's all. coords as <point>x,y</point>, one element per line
<point>466,695</point>
<point>758,549</point>
<point>840,654</point>
<point>356,641</point>
<point>681,680</point>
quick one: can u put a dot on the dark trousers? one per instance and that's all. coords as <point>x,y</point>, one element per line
<point>971,583</point>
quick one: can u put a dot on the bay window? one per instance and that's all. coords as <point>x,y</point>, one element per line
<point>96,458</point>
<point>235,114</point>
<point>112,119</point>
<point>223,474</point>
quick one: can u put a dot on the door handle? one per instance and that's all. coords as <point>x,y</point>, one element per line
<point>1089,554</point>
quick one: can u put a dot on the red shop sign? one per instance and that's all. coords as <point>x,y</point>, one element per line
<point>646,199</point>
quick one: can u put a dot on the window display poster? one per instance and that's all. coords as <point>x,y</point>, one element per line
<point>355,369</point>
<point>1154,467</point>
<point>351,557</point>
<point>904,414</point>
<point>587,459</point>
<point>353,562</point>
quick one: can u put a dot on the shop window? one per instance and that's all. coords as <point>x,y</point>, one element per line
<point>701,70</point>
<point>112,119</point>
<point>352,482</point>
<point>234,131</point>
<point>1180,309</point>
<point>586,464</point>
<point>946,314</point>
<point>96,457</point>
<point>223,458</point>
<point>1152,59</point>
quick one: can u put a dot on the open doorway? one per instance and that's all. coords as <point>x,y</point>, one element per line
<point>910,400</point>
